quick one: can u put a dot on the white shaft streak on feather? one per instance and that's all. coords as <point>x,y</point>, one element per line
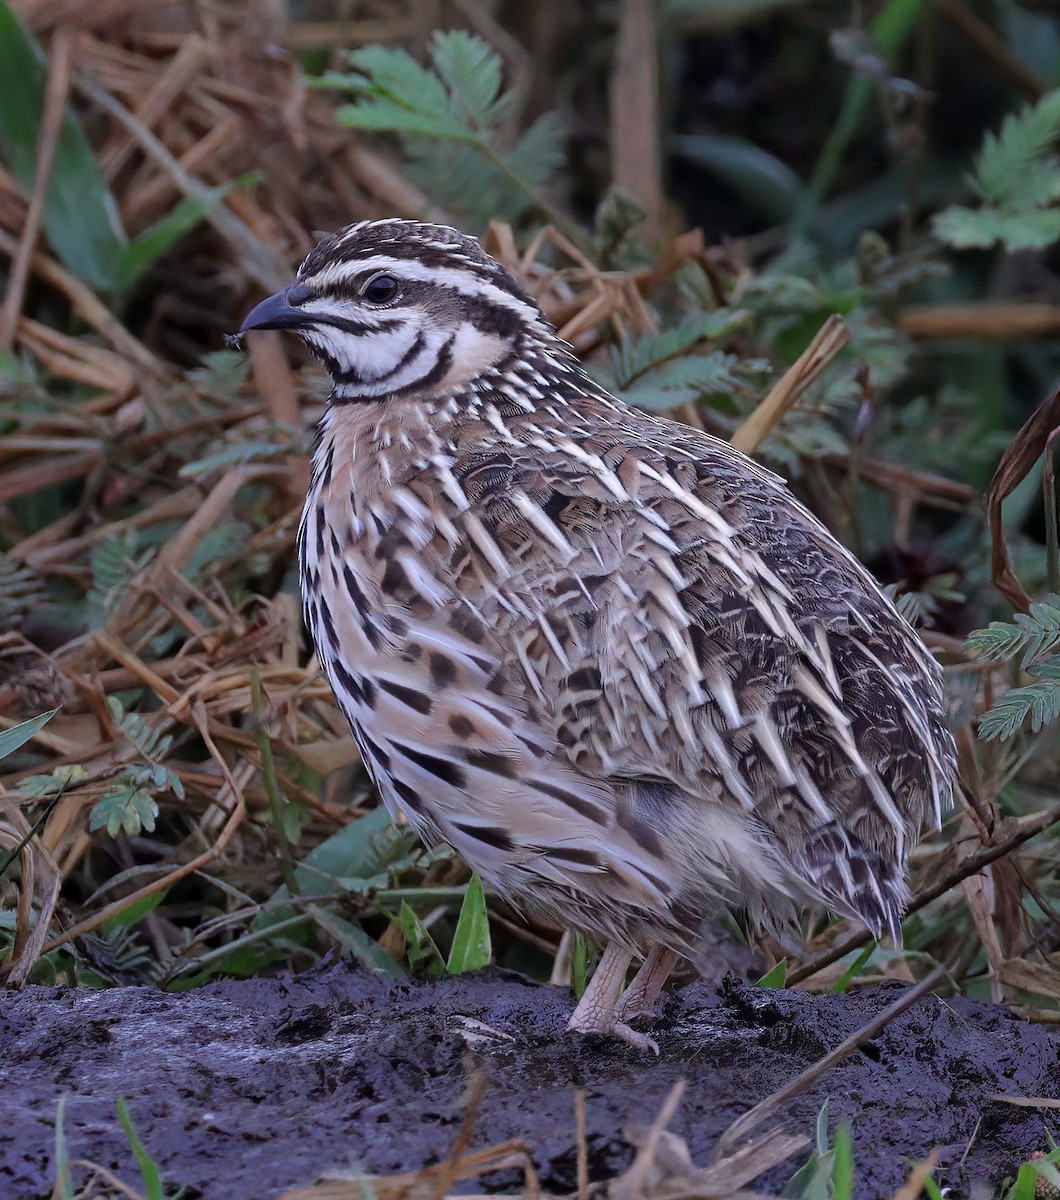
<point>548,529</point>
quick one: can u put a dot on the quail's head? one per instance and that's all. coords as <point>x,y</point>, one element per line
<point>394,308</point>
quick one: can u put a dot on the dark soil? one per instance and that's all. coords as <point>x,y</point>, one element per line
<point>244,1088</point>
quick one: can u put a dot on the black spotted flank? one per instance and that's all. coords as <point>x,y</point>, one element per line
<point>410,697</point>
<point>442,768</point>
<point>572,800</point>
<point>488,760</point>
<point>461,725</point>
<point>443,670</point>
<point>410,798</point>
<point>489,835</point>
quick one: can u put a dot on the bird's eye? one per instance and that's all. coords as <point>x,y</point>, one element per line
<point>380,290</point>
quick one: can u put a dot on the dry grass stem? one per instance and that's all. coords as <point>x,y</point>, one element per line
<point>785,393</point>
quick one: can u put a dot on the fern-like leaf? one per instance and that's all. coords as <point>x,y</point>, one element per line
<point>633,359</point>
<point>699,375</point>
<point>21,591</point>
<point>451,117</point>
<point>1026,638</point>
<point>471,72</point>
<point>1038,702</point>
<point>1015,166</point>
<point>114,563</point>
<point>1018,180</point>
<point>125,809</point>
<point>149,741</point>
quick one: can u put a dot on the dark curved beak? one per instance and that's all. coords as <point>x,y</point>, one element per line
<point>273,313</point>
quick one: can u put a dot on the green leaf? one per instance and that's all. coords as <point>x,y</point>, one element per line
<point>966,228</point>
<point>80,215</point>
<point>127,809</point>
<point>452,122</point>
<point>471,71</point>
<point>699,375</point>
<point>632,359</point>
<point>1038,702</point>
<point>141,254</point>
<point>149,1171</point>
<point>1014,165</point>
<point>360,850</point>
<point>776,976</point>
<point>539,152</point>
<point>1018,179</point>
<point>843,1164</point>
<point>113,564</point>
<point>134,913</point>
<point>472,948</point>
<point>580,969</point>
<point>63,1189</point>
<point>424,957</point>
<point>353,939</point>
<point>140,730</point>
<point>1027,637</point>
<point>767,185</point>
<point>18,735</point>
<point>398,95</point>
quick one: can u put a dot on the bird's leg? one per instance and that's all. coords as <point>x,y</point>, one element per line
<point>639,998</point>
<point>596,1009</point>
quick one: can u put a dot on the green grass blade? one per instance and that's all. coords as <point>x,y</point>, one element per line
<point>890,29</point>
<point>353,939</point>
<point>424,957</point>
<point>64,1186</point>
<point>843,1165</point>
<point>80,215</point>
<point>775,977</point>
<point>141,254</point>
<point>17,736</point>
<point>843,982</point>
<point>149,1171</point>
<point>472,948</point>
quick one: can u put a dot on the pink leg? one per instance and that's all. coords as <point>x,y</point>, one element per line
<point>596,1009</point>
<point>639,998</point>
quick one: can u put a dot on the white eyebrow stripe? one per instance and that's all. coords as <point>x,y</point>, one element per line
<point>407,268</point>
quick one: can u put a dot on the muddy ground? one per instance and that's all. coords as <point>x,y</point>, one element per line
<point>244,1088</point>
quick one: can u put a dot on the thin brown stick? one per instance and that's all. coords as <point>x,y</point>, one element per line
<point>914,1185</point>
<point>58,88</point>
<point>448,1171</point>
<point>979,34</point>
<point>633,1184</point>
<point>636,160</point>
<point>743,1125</point>
<point>831,338</point>
<point>992,319</point>
<point>583,1146</point>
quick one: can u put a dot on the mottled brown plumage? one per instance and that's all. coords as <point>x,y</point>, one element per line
<point>607,657</point>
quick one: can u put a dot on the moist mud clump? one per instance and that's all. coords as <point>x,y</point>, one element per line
<point>270,1083</point>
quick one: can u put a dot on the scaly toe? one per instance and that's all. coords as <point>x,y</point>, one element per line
<point>623,1032</point>
<point>616,1029</point>
<point>637,1011</point>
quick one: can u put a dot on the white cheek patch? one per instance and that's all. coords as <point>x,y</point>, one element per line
<point>473,353</point>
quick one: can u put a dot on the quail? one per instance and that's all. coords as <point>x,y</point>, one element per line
<point>608,658</point>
